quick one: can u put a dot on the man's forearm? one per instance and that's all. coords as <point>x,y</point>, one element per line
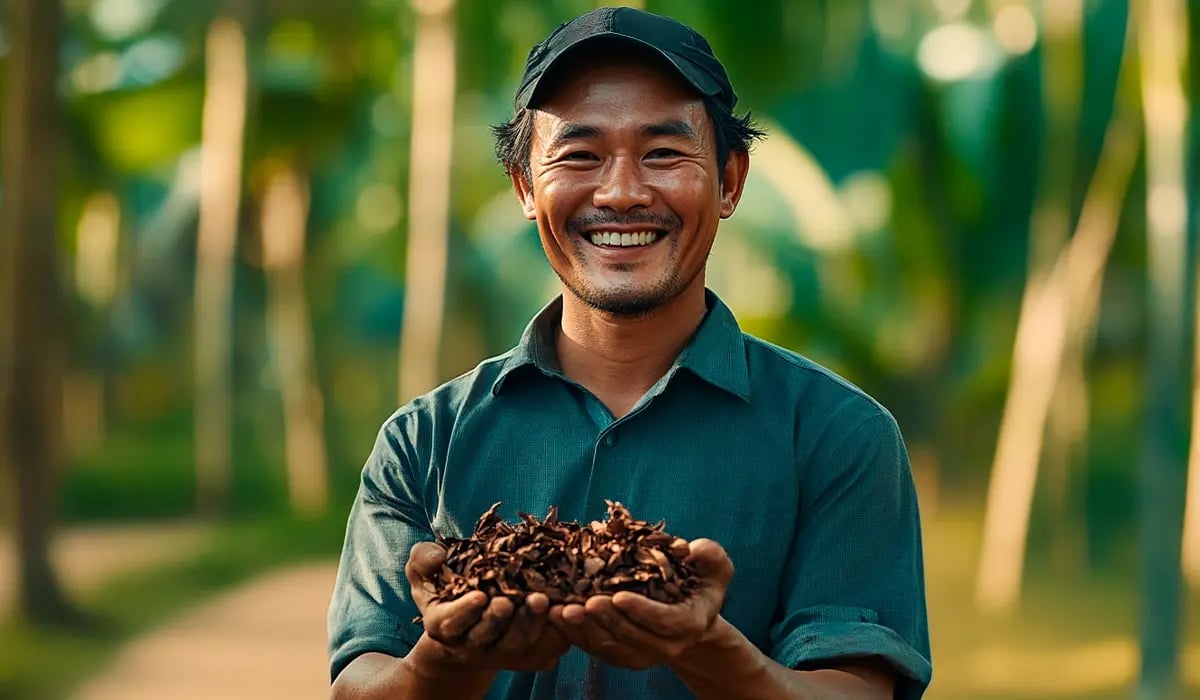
<point>419,676</point>
<point>727,666</point>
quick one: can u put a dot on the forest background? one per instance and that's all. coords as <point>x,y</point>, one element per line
<point>236,235</point>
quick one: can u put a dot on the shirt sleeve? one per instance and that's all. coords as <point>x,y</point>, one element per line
<point>372,607</point>
<point>854,581</point>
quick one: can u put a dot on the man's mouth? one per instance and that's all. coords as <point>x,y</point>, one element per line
<point>618,239</point>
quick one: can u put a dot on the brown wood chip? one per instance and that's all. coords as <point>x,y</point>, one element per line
<point>565,560</point>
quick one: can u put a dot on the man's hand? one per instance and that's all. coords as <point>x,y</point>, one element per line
<point>472,632</point>
<point>632,631</point>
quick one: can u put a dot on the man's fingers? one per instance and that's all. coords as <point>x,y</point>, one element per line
<point>710,561</point>
<point>568,630</point>
<point>604,613</point>
<point>424,560</point>
<point>522,631</point>
<point>545,644</point>
<point>663,619</point>
<point>597,639</point>
<point>552,642</point>
<point>449,621</point>
<point>573,614</point>
<point>491,625</point>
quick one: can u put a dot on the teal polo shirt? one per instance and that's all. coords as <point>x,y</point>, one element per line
<point>802,477</point>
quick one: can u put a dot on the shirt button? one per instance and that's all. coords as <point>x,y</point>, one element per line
<point>610,439</point>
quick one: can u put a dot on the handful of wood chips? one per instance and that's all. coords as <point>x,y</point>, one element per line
<point>565,560</point>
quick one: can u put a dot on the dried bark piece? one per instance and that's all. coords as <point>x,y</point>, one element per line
<point>565,560</point>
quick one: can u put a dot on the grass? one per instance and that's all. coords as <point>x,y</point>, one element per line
<point>41,664</point>
<point>142,472</point>
<point>1071,639</point>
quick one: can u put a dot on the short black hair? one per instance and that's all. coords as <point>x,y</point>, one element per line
<point>514,138</point>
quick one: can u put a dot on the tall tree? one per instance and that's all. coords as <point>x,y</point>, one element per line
<point>1163,42</point>
<point>284,217</point>
<point>1191,521</point>
<point>224,122</point>
<point>31,346</point>
<point>428,196</point>
<point>1036,364</point>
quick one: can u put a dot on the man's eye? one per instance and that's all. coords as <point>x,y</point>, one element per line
<point>664,153</point>
<point>579,155</point>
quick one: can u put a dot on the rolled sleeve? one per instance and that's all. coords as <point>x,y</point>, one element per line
<point>854,581</point>
<point>372,607</point>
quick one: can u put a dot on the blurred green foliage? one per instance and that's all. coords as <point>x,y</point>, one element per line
<point>41,664</point>
<point>936,127</point>
<point>917,303</point>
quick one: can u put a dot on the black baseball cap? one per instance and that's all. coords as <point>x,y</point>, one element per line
<point>682,47</point>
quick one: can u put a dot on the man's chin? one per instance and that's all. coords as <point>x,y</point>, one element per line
<point>626,304</point>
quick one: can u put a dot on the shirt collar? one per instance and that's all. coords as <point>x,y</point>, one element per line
<point>716,353</point>
<point>536,347</point>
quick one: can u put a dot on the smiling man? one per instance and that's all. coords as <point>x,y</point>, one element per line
<point>637,385</point>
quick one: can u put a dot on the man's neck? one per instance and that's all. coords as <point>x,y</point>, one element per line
<point>619,358</point>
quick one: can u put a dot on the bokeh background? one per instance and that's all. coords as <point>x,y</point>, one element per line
<point>237,234</point>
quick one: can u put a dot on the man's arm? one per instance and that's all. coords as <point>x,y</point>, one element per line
<point>726,666</point>
<point>466,642</point>
<point>375,650</point>
<point>711,656</point>
<point>852,594</point>
<point>853,585</point>
<point>419,676</point>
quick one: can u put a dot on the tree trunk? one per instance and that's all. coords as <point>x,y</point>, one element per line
<point>284,216</point>
<point>224,121</point>
<point>97,254</point>
<point>1191,520</point>
<point>1162,38</point>
<point>1059,304</point>
<point>428,197</point>
<point>31,327</point>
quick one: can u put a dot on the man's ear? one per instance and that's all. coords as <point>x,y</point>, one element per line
<point>524,192</point>
<point>733,181</point>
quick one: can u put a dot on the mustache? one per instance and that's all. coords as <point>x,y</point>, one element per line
<point>578,224</point>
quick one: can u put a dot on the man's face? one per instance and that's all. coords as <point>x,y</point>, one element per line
<point>625,188</point>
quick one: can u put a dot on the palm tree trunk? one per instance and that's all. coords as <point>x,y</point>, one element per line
<point>1069,297</point>
<point>31,327</point>
<point>223,126</point>
<point>1191,522</point>
<point>1041,326</point>
<point>97,261</point>
<point>1191,519</point>
<point>284,217</point>
<point>428,196</point>
<point>1162,39</point>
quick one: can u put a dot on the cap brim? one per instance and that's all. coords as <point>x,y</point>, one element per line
<point>533,93</point>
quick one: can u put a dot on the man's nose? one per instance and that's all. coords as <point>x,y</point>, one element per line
<point>621,187</point>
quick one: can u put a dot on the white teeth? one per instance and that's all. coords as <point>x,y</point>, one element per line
<point>613,238</point>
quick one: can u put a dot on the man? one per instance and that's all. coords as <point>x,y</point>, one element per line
<point>637,385</point>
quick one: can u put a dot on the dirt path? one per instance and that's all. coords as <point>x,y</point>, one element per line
<point>261,641</point>
<point>87,556</point>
